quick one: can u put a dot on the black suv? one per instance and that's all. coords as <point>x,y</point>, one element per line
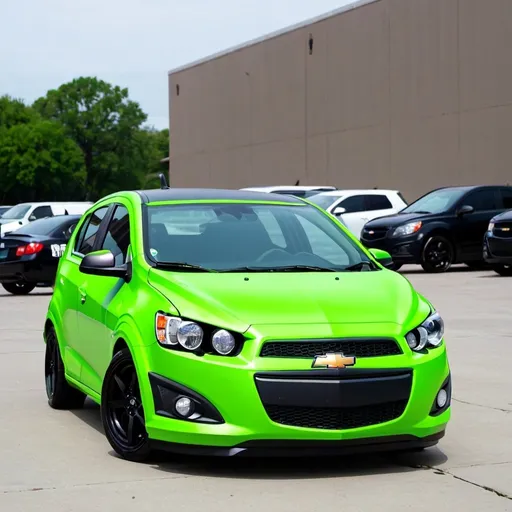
<point>443,227</point>
<point>498,244</point>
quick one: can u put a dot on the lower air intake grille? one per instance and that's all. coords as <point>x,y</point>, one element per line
<point>336,419</point>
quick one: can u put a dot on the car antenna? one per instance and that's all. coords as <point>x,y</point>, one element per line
<point>297,183</point>
<point>163,181</point>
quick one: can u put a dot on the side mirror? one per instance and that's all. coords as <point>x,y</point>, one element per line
<point>465,210</point>
<point>102,263</point>
<point>339,210</point>
<point>383,257</point>
<point>31,218</point>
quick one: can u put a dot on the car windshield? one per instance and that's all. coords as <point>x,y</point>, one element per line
<point>323,200</point>
<point>16,212</point>
<point>249,237</point>
<point>43,226</point>
<point>438,201</point>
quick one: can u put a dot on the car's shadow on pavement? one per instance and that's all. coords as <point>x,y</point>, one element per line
<point>452,270</point>
<point>294,468</point>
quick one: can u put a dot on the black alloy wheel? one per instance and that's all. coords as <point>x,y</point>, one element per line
<point>437,255</point>
<point>19,287</point>
<point>122,411</point>
<point>503,270</point>
<point>61,395</point>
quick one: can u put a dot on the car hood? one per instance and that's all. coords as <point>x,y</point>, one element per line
<point>505,216</point>
<point>239,300</point>
<point>391,221</point>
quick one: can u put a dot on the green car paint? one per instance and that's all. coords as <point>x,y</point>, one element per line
<point>95,315</point>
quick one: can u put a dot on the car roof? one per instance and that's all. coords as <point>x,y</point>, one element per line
<point>292,188</point>
<point>214,194</point>
<point>370,191</point>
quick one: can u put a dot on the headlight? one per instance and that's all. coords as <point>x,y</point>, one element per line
<point>408,229</point>
<point>490,227</point>
<point>182,334</point>
<point>430,332</point>
<point>190,335</point>
<point>171,331</point>
<point>223,342</point>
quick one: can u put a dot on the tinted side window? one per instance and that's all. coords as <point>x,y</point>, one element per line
<point>353,204</point>
<point>482,200</point>
<point>507,198</point>
<point>378,202</point>
<point>41,212</point>
<point>87,236</point>
<point>117,238</point>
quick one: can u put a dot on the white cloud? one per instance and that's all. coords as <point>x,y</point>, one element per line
<point>132,43</point>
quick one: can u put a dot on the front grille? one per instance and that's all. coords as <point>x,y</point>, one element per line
<point>336,419</point>
<point>309,349</point>
<point>374,233</point>
<point>503,230</point>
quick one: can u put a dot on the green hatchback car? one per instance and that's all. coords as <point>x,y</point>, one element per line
<point>240,323</point>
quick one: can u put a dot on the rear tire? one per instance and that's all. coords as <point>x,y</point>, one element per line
<point>437,255</point>
<point>61,395</point>
<point>503,270</point>
<point>19,288</point>
<point>122,411</point>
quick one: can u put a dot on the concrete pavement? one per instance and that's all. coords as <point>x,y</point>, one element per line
<point>61,461</point>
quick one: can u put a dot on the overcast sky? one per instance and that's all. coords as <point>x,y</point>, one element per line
<point>132,43</point>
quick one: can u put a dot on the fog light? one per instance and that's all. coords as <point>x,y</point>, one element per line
<point>442,398</point>
<point>184,406</point>
<point>412,341</point>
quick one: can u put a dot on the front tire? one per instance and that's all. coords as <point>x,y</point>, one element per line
<point>122,411</point>
<point>503,270</point>
<point>60,394</point>
<point>437,255</point>
<point>18,288</point>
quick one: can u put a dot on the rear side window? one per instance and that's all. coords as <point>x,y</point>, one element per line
<point>378,202</point>
<point>353,204</point>
<point>41,212</point>
<point>87,236</point>
<point>117,239</point>
<point>506,194</point>
<point>482,200</point>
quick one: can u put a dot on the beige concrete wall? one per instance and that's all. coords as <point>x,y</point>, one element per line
<point>412,94</point>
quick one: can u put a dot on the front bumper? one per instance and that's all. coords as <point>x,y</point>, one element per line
<point>256,404</point>
<point>403,250</point>
<point>497,250</point>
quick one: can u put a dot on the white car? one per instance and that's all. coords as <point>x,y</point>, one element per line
<point>357,207</point>
<point>296,190</point>
<point>24,213</point>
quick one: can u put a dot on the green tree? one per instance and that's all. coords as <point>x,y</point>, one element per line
<point>14,111</point>
<point>38,161</point>
<point>155,146</point>
<point>105,124</point>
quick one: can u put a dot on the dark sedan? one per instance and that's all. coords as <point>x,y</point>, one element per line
<point>498,244</point>
<point>443,227</point>
<point>29,256</point>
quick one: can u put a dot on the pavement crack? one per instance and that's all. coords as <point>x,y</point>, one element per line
<point>481,405</point>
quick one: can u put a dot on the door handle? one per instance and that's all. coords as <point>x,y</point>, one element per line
<point>83,295</point>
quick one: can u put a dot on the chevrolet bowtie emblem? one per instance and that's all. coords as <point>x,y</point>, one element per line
<point>333,361</point>
<point>505,229</point>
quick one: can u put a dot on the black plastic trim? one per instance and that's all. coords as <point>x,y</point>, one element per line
<point>359,391</point>
<point>207,411</point>
<point>447,384</point>
<point>296,448</point>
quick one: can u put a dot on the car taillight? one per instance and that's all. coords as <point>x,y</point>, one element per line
<point>27,250</point>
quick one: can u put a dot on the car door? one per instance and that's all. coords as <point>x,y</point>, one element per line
<point>69,280</point>
<point>470,228</point>
<point>354,216</point>
<point>97,295</point>
<point>378,205</point>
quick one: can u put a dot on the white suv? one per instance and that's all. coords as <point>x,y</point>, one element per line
<point>295,190</point>
<point>357,207</point>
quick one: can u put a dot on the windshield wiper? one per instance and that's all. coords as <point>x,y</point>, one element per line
<point>420,211</point>
<point>287,268</point>
<point>360,266</point>
<point>178,265</point>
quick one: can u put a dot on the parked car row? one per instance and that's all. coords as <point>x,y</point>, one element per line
<point>444,227</point>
